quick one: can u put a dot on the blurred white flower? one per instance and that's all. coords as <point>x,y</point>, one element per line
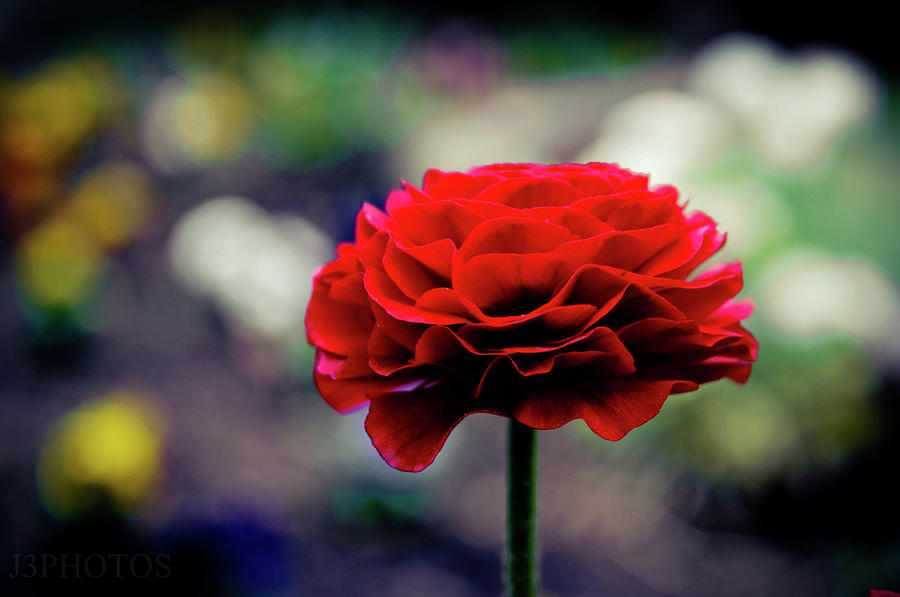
<point>510,125</point>
<point>666,133</point>
<point>754,215</point>
<point>809,294</point>
<point>196,122</point>
<point>792,108</point>
<point>257,267</point>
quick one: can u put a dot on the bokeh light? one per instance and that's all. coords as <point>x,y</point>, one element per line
<point>256,267</point>
<point>105,452</point>
<point>793,108</point>
<point>202,121</point>
<point>59,265</point>
<point>112,202</point>
<point>808,295</point>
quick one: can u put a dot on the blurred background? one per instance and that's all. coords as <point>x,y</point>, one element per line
<point>171,176</point>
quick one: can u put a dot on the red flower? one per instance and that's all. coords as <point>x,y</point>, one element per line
<point>882,593</point>
<point>542,293</point>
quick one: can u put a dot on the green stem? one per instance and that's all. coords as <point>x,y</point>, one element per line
<point>521,519</point>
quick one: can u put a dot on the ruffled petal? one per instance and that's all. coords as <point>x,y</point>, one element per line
<point>428,222</point>
<point>436,256</point>
<point>385,293</point>
<point>513,235</point>
<point>408,196</point>
<point>523,193</point>
<point>456,185</point>
<point>409,428</point>
<point>356,364</point>
<point>701,243</point>
<point>507,284</point>
<point>370,221</point>
<point>338,318</point>
<point>386,355</point>
<point>708,292</point>
<point>632,210</point>
<point>631,250</point>
<point>536,332</point>
<point>599,352</point>
<point>345,395</point>
<point>611,407</point>
<point>576,221</point>
<point>410,275</point>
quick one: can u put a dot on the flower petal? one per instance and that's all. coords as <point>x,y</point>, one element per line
<point>630,250</point>
<point>384,292</point>
<point>457,185</point>
<point>576,221</point>
<point>409,428</point>
<point>386,355</point>
<point>345,395</point>
<point>513,235</point>
<point>530,192</point>
<point>632,210</point>
<point>708,292</point>
<point>410,275</point>
<point>704,241</point>
<point>611,407</point>
<point>600,351</point>
<point>338,318</point>
<point>537,332</point>
<point>508,284</point>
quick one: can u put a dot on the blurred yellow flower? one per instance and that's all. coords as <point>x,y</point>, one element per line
<point>110,447</point>
<point>58,264</point>
<point>112,202</point>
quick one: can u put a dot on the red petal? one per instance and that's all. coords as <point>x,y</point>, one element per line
<point>439,344</point>
<point>534,332</point>
<point>343,395</point>
<point>530,192</point>
<point>456,185</point>
<point>428,222</point>
<point>640,303</point>
<point>599,352</point>
<point>508,284</point>
<point>386,355</point>
<point>490,211</point>
<point>338,318</point>
<point>447,300</point>
<point>369,221</point>
<point>436,256</point>
<point>389,297</point>
<point>611,407</point>
<point>513,235</point>
<point>397,199</point>
<point>630,250</point>
<point>639,182</point>
<point>356,364</point>
<point>632,210</point>
<point>409,274</point>
<point>404,333</point>
<point>409,196</point>
<point>578,222</point>
<point>409,428</point>
<point>704,241</point>
<point>730,312</point>
<point>431,177</point>
<point>594,285</point>
<point>708,292</point>
<point>603,179</point>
